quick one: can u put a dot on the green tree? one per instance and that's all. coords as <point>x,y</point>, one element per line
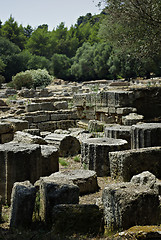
<point>13,32</point>
<point>60,66</point>
<point>38,43</point>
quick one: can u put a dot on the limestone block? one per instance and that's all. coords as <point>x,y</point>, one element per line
<point>125,164</point>
<point>95,153</point>
<point>61,105</point>
<point>144,178</point>
<point>75,218</point>
<point>18,124</point>
<point>22,204</point>
<point>112,110</point>
<point>5,127</point>
<point>6,137</point>
<point>146,135</point>
<point>95,126</point>
<point>118,132</point>
<point>33,131</point>
<point>53,125</point>
<point>79,99</point>
<point>19,162</point>
<point>54,192</point>
<point>32,107</point>
<point>40,118</point>
<point>86,180</point>
<point>125,110</point>
<point>68,145</point>
<point>131,119</point>
<point>126,205</point>
<point>50,160</point>
<point>23,137</point>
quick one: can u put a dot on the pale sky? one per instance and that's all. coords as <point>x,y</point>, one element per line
<point>51,12</point>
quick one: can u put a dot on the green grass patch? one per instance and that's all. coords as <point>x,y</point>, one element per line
<point>76,159</point>
<point>63,162</point>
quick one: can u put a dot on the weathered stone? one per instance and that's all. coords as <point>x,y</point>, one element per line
<point>118,132</point>
<point>126,205</point>
<point>144,178</point>
<point>125,164</point>
<point>146,135</point>
<point>32,107</point>
<point>94,153</point>
<point>61,105</point>
<point>125,110</point>
<point>22,204</point>
<point>50,160</point>
<point>5,127</point>
<point>0,208</point>
<point>132,119</point>
<point>33,131</point>
<point>23,137</point>
<point>54,192</point>
<point>75,218</point>
<point>68,145</point>
<point>86,180</point>
<point>95,126</point>
<point>19,162</point>
<point>6,137</point>
<point>53,125</point>
<point>18,124</point>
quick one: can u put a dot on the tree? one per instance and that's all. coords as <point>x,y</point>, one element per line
<point>135,25</point>
<point>83,65</point>
<point>38,43</point>
<point>60,66</point>
<point>13,32</point>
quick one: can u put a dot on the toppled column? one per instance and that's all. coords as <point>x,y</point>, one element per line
<point>68,145</point>
<point>94,153</point>
<point>146,135</point>
<point>19,162</point>
<point>125,164</point>
<point>118,132</point>
<point>54,192</point>
<point>22,204</point>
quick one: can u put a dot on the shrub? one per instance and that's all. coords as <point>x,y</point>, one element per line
<point>31,79</point>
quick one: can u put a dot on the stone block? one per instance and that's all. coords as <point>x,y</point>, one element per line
<point>125,164</point>
<point>146,135</point>
<point>95,153</point>
<point>5,127</point>
<point>23,137</point>
<point>22,204</point>
<point>118,132</point>
<point>125,110</point>
<point>131,119</point>
<point>67,144</point>
<point>50,160</point>
<point>61,105</point>
<point>69,219</point>
<point>54,192</point>
<point>18,124</point>
<point>86,180</point>
<point>6,137</point>
<point>144,178</point>
<point>126,205</point>
<point>19,162</point>
<point>40,118</point>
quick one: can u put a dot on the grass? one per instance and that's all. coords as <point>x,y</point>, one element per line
<point>63,162</point>
<point>76,159</point>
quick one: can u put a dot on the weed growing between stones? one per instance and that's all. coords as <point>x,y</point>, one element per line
<point>63,162</point>
<point>76,158</point>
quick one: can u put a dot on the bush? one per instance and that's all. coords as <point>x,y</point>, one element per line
<point>31,79</point>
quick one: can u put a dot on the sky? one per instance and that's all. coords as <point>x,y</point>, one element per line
<point>51,12</point>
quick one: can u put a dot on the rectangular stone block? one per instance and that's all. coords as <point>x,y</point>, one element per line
<point>6,137</point>
<point>127,205</point>
<point>125,164</point>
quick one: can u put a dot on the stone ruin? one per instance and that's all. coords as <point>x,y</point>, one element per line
<point>121,140</point>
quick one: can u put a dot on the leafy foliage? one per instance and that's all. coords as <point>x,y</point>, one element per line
<point>31,79</point>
